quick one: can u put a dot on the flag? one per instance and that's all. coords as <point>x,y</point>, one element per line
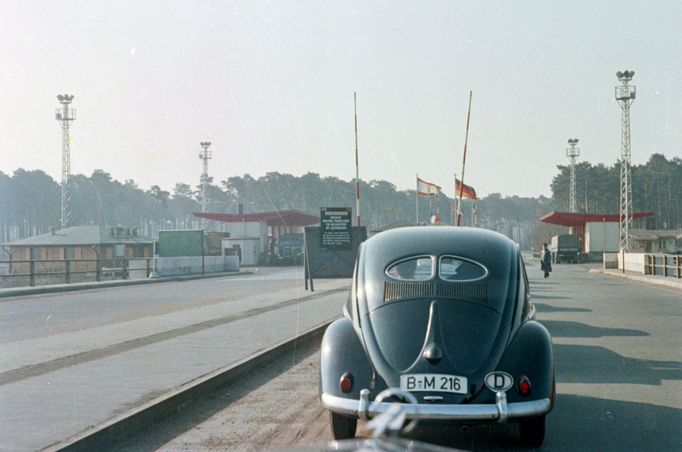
<point>467,193</point>
<point>427,188</point>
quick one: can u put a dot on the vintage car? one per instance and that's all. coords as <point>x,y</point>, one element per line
<point>443,313</point>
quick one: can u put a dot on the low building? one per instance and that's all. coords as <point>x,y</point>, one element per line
<point>81,243</point>
<point>663,241</point>
<point>242,229</point>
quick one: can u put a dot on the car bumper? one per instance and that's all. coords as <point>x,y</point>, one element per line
<point>501,411</point>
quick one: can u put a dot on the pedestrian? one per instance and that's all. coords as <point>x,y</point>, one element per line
<point>546,260</point>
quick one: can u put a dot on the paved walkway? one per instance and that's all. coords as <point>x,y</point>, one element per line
<point>669,282</point>
<point>54,387</point>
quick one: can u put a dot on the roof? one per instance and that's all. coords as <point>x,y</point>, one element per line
<point>277,218</point>
<point>656,234</point>
<point>82,235</point>
<point>579,219</point>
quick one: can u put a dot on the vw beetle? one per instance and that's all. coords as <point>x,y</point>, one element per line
<point>443,313</point>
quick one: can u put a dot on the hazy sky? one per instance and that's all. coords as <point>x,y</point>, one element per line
<point>271,84</point>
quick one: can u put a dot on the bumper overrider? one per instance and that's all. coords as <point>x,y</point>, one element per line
<point>501,411</point>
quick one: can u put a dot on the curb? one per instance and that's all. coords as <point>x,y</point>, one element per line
<point>670,283</point>
<point>127,425</point>
<point>6,293</point>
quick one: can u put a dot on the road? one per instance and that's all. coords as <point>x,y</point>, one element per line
<point>618,353</point>
<point>69,361</point>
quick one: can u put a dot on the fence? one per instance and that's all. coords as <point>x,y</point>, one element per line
<point>663,265</point>
<point>45,272</point>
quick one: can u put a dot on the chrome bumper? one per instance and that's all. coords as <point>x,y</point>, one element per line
<point>501,411</point>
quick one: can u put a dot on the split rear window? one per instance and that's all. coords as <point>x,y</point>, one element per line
<point>450,268</point>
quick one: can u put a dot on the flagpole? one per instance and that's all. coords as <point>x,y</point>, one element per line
<point>416,195</point>
<point>357,166</point>
<point>464,160</point>
<point>454,203</point>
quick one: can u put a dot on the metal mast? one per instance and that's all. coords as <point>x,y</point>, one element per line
<point>65,115</point>
<point>572,152</point>
<point>625,95</point>
<point>357,163</point>
<point>205,154</point>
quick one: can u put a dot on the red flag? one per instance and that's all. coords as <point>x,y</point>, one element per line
<point>468,192</point>
<point>427,188</point>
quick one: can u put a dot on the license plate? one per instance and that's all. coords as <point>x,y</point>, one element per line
<point>433,383</point>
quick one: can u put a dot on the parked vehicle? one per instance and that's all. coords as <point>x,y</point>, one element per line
<point>565,248</point>
<point>445,314</point>
<point>291,249</point>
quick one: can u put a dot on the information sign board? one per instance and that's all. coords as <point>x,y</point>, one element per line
<point>335,225</point>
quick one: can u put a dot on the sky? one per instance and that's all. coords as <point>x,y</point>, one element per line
<point>271,83</point>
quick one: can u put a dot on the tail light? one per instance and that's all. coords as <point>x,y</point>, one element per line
<point>524,386</point>
<point>346,382</point>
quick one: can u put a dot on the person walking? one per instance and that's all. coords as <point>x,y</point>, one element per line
<point>546,260</point>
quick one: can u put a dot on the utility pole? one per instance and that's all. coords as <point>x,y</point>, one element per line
<point>205,155</point>
<point>572,152</point>
<point>357,163</point>
<point>65,115</point>
<point>625,95</point>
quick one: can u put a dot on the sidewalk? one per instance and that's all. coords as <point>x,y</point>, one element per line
<point>669,282</point>
<point>54,288</point>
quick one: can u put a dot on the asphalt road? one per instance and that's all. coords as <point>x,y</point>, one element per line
<point>70,361</point>
<point>54,313</point>
<point>618,350</point>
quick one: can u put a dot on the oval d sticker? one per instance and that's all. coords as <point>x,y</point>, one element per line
<point>499,381</point>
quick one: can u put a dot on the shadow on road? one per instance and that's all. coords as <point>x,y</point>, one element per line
<point>542,307</point>
<point>566,328</point>
<point>597,365</point>
<point>549,297</point>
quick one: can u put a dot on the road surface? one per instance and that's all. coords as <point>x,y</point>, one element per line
<point>69,361</point>
<point>618,349</point>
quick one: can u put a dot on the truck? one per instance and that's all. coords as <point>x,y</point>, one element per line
<point>291,249</point>
<point>565,248</point>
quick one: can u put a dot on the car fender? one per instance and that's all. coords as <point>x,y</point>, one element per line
<point>530,354</point>
<point>342,352</point>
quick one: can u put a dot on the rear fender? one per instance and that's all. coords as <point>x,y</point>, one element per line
<point>530,354</point>
<point>342,352</point>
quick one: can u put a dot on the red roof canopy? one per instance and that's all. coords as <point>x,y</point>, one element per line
<point>579,219</point>
<point>281,218</point>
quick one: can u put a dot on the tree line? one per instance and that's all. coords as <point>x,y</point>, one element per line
<point>30,200</point>
<point>656,187</point>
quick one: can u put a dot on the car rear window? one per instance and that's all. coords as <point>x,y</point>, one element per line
<point>452,268</point>
<point>418,268</point>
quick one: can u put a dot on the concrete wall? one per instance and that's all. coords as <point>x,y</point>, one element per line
<point>610,260</point>
<point>634,262</point>
<point>177,266</point>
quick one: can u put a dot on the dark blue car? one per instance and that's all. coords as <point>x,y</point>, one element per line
<point>445,314</point>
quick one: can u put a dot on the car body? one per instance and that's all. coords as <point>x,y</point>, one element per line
<point>444,313</point>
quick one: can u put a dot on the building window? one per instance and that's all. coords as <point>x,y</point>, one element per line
<point>35,253</point>
<point>119,250</point>
<point>138,251</point>
<point>661,244</point>
<point>69,252</point>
